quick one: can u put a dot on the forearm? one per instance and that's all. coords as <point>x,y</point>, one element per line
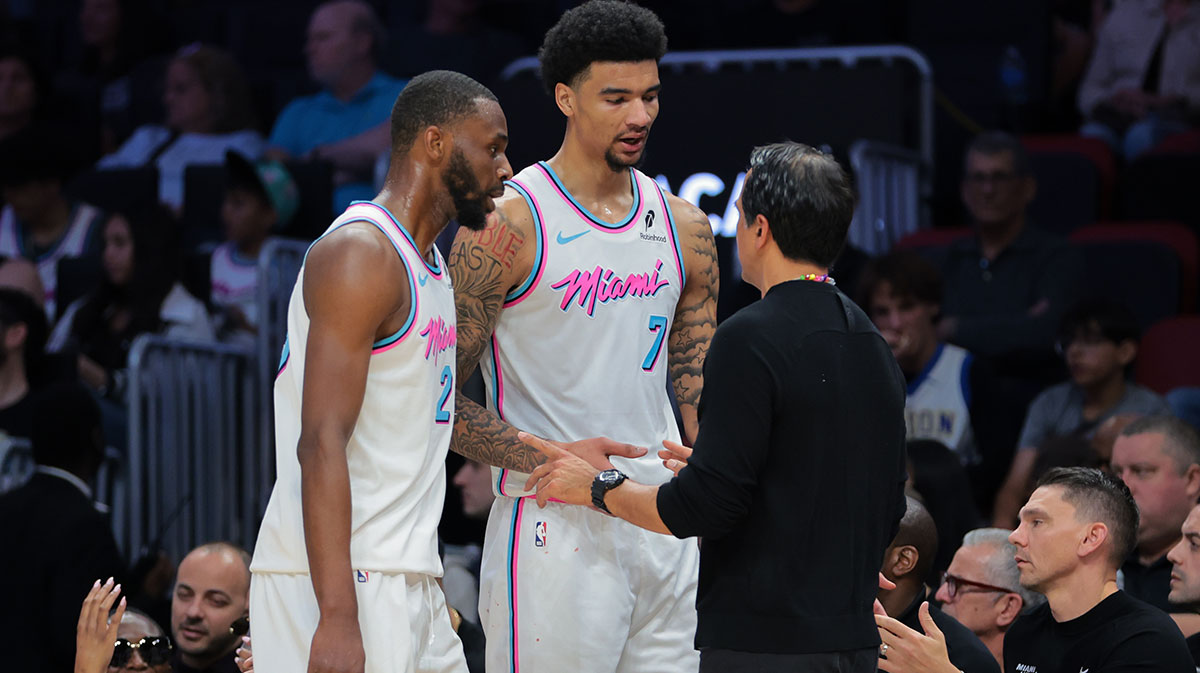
<point>325,494</point>
<point>481,436</point>
<point>637,504</point>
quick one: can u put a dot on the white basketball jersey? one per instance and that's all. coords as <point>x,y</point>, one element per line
<point>397,451</point>
<point>235,281</point>
<point>939,400</point>
<point>580,347</point>
<point>81,230</point>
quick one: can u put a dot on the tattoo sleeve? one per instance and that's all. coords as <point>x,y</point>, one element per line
<point>480,264</point>
<point>695,318</point>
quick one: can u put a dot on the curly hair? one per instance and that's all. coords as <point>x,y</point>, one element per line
<point>599,30</point>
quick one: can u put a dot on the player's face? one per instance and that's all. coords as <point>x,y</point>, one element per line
<point>17,95</point>
<point>210,594</point>
<point>478,166</point>
<point>1047,539</point>
<point>1185,557</point>
<point>118,250</point>
<point>187,101</point>
<point>1163,493</point>
<point>906,324</point>
<point>992,190</point>
<point>616,103</point>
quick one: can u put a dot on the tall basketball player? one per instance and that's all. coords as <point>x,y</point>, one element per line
<point>345,566</point>
<point>589,289</point>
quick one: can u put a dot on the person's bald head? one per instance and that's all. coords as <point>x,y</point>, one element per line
<point>910,556</point>
<point>343,36</point>
<point>212,591</point>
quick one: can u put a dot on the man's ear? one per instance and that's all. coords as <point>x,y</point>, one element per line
<point>564,98</point>
<point>1010,609</point>
<point>1093,539</point>
<point>436,143</point>
<point>763,234</point>
<point>903,561</point>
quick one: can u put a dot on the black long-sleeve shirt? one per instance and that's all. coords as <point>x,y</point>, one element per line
<point>796,482</point>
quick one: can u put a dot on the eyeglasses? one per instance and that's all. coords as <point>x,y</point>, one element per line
<point>153,650</point>
<point>955,585</point>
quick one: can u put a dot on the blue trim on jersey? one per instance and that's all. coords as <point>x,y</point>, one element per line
<point>920,378</point>
<point>435,270</point>
<point>674,235</point>
<point>283,357</point>
<point>541,245</point>
<point>512,612</point>
<point>637,199</point>
<point>965,378</point>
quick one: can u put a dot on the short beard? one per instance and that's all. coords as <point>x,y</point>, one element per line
<point>617,166</point>
<point>465,192</point>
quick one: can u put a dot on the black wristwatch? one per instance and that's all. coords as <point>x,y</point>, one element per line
<point>602,484</point>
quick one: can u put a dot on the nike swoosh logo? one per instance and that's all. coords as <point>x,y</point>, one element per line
<point>563,240</point>
<point>422,279</point>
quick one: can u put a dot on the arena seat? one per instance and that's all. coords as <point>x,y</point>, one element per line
<point>1068,191</point>
<point>1176,235</point>
<point>1144,275</point>
<point>117,190</point>
<point>1095,150</point>
<point>1162,187</point>
<point>1168,357</point>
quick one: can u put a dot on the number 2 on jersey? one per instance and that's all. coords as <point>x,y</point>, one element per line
<point>443,415</point>
<point>658,325</point>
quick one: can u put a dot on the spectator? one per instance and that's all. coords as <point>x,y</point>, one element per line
<point>1007,287</point>
<point>1099,340</point>
<point>20,274</point>
<point>907,563</point>
<point>64,539</point>
<point>209,111</point>
<point>1076,529</point>
<point>208,608</point>
<point>982,588</point>
<point>41,223</point>
<point>1185,574</point>
<point>1143,82</point>
<point>140,644</point>
<point>18,92</point>
<point>138,294</point>
<point>22,340</point>
<point>461,562</point>
<point>347,122</point>
<point>941,483</point>
<point>259,196</point>
<point>1158,458</point>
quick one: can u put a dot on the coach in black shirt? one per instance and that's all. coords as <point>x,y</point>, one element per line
<point>796,483</point>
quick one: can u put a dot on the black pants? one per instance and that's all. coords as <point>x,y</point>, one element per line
<point>731,661</point>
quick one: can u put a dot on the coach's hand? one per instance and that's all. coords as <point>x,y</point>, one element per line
<point>597,450</point>
<point>337,647</point>
<point>905,650</point>
<point>674,456</point>
<point>563,476</point>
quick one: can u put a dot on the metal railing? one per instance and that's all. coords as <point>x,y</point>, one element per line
<point>890,195</point>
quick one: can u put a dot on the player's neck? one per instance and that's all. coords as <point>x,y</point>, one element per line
<point>1079,592</point>
<point>408,196</point>
<point>586,177</point>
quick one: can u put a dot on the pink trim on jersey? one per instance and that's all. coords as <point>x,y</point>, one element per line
<point>674,236</point>
<point>541,222</point>
<point>499,404</point>
<point>412,316</point>
<point>407,237</point>
<point>566,198</point>
<point>516,636</point>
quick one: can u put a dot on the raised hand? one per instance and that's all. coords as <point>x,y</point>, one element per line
<point>244,657</point>
<point>597,450</point>
<point>674,456</point>
<point>96,633</point>
<point>907,651</point>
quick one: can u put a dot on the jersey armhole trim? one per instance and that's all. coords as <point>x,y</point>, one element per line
<point>539,264</point>
<point>435,270</point>
<point>674,237</point>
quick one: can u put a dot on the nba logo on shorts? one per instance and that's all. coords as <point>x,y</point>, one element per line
<point>362,576</point>
<point>539,534</point>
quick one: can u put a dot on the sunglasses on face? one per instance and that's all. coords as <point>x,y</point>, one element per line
<point>153,650</point>
<point>956,586</point>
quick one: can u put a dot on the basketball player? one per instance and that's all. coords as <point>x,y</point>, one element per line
<point>589,287</point>
<point>345,565</point>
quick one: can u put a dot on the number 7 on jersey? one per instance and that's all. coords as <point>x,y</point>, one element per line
<point>658,326</point>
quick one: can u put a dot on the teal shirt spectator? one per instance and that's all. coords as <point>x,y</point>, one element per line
<point>319,119</point>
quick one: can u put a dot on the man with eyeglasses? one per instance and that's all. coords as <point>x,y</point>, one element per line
<point>907,563</point>
<point>982,589</point>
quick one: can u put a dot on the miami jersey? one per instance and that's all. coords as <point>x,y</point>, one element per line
<point>81,237</point>
<point>939,401</point>
<point>396,453</point>
<point>580,347</point>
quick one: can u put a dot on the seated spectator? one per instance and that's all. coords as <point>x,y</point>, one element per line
<point>1158,458</point>
<point>18,92</point>
<point>939,480</point>
<point>22,343</point>
<point>138,294</point>
<point>20,274</point>
<point>127,640</point>
<point>209,608</point>
<point>347,122</point>
<point>209,111</point>
<point>1143,82</point>
<point>40,222</point>
<point>1077,528</point>
<point>907,563</point>
<point>259,196</point>
<point>982,589</point>
<point>1099,340</point>
<point>64,539</point>
<point>1007,287</point>
<point>1185,575</point>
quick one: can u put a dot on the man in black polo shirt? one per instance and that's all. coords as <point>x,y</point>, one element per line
<point>796,483</point>
<point>1075,530</point>
<point>1185,575</point>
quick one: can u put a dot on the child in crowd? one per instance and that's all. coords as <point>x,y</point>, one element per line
<point>258,196</point>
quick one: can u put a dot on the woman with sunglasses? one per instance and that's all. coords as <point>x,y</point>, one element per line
<point>129,641</point>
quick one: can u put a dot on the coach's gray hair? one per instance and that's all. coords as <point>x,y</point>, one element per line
<point>1000,564</point>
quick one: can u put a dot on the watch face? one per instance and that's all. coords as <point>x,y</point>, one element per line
<point>609,476</point>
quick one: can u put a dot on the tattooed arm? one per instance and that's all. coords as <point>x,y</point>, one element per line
<point>696,313</point>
